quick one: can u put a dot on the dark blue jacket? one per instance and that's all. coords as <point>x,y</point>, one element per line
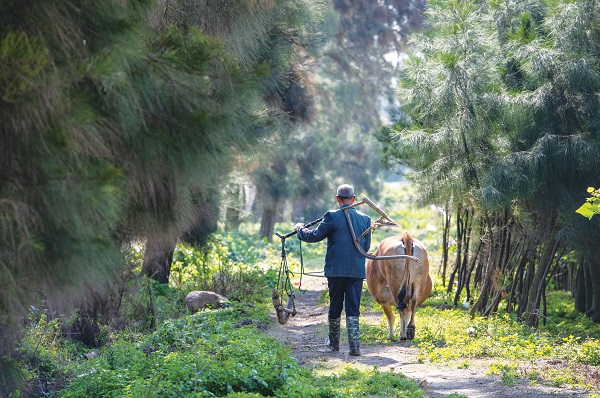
<point>342,258</point>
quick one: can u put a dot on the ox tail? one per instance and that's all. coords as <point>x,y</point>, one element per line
<point>408,246</point>
<point>404,291</point>
<point>402,298</point>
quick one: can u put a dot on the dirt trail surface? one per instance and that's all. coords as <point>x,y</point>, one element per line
<point>305,334</point>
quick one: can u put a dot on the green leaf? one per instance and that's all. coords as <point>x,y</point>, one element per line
<point>588,210</point>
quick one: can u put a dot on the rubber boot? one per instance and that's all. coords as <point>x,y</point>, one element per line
<point>333,340</point>
<point>353,335</point>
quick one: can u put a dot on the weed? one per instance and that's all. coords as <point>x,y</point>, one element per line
<point>373,383</point>
<point>236,265</point>
<point>509,373</point>
<point>564,376</point>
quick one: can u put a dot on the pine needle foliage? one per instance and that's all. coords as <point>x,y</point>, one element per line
<point>117,124</point>
<point>500,114</point>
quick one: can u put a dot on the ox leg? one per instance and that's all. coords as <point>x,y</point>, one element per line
<point>404,314</point>
<point>387,309</point>
<point>410,329</point>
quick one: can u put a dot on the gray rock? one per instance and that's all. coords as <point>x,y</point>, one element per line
<point>197,300</point>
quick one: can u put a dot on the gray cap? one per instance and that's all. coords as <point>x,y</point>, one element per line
<point>345,191</point>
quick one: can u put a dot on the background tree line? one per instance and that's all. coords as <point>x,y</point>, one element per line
<point>499,120</point>
<point>353,86</point>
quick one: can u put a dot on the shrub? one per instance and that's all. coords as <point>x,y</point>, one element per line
<point>219,353</point>
<point>48,359</point>
<point>509,373</point>
<point>208,352</point>
<point>235,265</point>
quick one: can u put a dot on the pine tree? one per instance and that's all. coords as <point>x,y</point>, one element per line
<point>557,58</point>
<point>272,37</point>
<point>118,125</point>
<point>500,115</point>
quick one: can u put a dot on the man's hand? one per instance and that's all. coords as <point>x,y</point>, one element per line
<point>298,226</point>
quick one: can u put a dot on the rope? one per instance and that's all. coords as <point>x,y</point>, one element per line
<point>303,272</point>
<point>301,269</point>
<point>284,281</point>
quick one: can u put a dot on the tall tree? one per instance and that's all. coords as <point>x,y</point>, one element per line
<point>556,55</point>
<point>500,114</point>
<point>117,124</point>
<point>266,40</point>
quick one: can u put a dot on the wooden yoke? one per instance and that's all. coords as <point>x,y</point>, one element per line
<point>383,221</point>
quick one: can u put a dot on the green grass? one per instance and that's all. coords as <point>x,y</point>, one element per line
<point>217,353</point>
<point>509,372</point>
<point>451,334</point>
<point>211,353</point>
<point>563,320</point>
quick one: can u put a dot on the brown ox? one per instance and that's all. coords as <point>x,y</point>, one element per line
<point>403,283</point>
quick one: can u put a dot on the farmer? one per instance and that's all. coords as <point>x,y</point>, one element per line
<point>344,266</point>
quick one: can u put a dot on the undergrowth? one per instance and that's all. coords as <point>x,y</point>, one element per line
<point>214,353</point>
<point>166,351</point>
<point>208,353</point>
<point>444,334</point>
<point>222,352</point>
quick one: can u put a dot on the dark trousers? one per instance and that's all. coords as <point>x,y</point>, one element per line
<point>344,292</point>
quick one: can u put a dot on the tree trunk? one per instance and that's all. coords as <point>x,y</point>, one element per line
<point>517,285</point>
<point>464,266</point>
<point>158,257</point>
<point>483,249</point>
<point>445,236</point>
<point>588,291</point>
<point>457,263</point>
<point>507,242</point>
<point>527,283</point>
<point>537,285</point>
<point>463,235</point>
<point>267,220</point>
<point>473,263</point>
<point>480,304</point>
<point>544,305</point>
<point>490,273</point>
<point>232,218</point>
<point>594,276</point>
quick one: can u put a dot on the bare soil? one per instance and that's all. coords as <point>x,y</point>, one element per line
<point>305,334</point>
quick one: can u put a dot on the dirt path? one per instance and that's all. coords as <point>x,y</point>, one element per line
<point>305,334</point>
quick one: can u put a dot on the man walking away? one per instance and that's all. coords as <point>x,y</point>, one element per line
<point>344,266</point>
